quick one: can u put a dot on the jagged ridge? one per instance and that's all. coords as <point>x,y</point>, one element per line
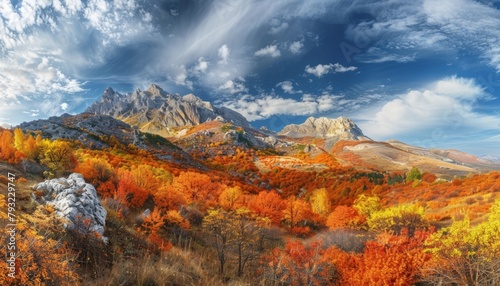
<point>156,111</point>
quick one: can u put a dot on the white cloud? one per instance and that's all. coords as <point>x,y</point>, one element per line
<point>233,87</point>
<point>446,108</point>
<point>286,86</point>
<point>256,108</point>
<point>201,66</point>
<point>296,47</point>
<point>64,106</point>
<point>223,54</point>
<point>271,50</point>
<point>181,78</point>
<point>41,54</point>
<point>320,70</point>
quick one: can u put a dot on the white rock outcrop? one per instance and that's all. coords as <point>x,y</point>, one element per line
<point>74,200</point>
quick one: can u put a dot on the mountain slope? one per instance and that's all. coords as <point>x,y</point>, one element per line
<point>102,131</point>
<point>156,111</point>
<point>397,156</point>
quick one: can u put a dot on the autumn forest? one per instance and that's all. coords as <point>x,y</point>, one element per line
<point>238,215</point>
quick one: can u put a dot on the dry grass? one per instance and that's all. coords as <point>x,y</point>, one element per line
<point>175,267</point>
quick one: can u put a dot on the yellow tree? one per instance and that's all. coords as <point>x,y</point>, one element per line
<point>320,202</point>
<point>467,255</point>
<point>217,226</point>
<point>19,139</point>
<point>57,155</point>
<point>394,219</point>
<point>365,205</point>
<point>231,198</point>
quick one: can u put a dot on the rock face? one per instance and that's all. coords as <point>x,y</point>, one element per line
<point>156,111</point>
<point>341,129</point>
<point>74,200</point>
<point>83,127</point>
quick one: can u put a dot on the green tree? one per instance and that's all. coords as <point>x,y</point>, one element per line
<point>413,174</point>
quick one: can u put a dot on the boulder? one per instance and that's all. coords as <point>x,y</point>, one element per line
<point>75,201</point>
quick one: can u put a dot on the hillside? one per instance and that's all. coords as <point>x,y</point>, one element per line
<point>216,202</point>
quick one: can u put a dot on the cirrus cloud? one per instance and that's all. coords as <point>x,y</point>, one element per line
<point>320,70</point>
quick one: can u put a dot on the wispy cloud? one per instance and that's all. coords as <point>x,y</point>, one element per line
<point>420,27</point>
<point>321,70</point>
<point>277,27</point>
<point>223,53</point>
<point>376,55</point>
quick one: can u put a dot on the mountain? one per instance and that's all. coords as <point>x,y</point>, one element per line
<point>328,130</point>
<point>490,158</point>
<point>341,129</point>
<point>156,111</point>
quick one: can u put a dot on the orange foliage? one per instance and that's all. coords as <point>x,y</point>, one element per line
<point>7,151</point>
<point>198,189</point>
<point>128,192</point>
<point>268,204</point>
<point>391,260</point>
<point>169,198</point>
<point>296,210</point>
<point>99,173</point>
<point>344,216</point>
<point>429,178</point>
<point>298,264</point>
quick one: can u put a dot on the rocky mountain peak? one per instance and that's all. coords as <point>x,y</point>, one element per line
<point>340,128</point>
<point>109,91</point>
<point>154,90</point>
<point>156,111</point>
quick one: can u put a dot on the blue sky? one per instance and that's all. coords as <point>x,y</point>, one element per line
<point>423,72</point>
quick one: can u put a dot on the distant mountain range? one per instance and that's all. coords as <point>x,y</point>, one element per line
<point>186,124</point>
